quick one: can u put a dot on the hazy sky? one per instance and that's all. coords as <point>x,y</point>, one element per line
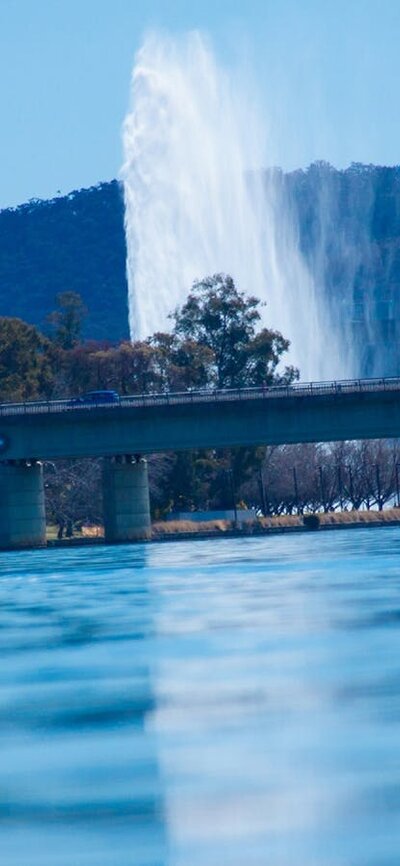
<point>327,72</point>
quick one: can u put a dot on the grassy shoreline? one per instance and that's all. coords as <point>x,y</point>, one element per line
<point>182,530</point>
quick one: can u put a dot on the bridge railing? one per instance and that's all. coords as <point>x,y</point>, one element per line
<point>207,395</point>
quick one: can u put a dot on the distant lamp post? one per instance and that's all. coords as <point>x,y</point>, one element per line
<point>340,485</point>
<point>233,493</point>
<point>263,497</point>
<point>322,488</point>
<point>296,490</point>
<point>351,487</point>
<point>378,487</point>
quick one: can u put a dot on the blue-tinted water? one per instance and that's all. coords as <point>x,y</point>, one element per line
<point>229,703</point>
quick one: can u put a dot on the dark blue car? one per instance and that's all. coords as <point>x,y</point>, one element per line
<point>95,397</point>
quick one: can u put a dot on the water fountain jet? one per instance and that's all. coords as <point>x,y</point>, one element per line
<point>199,201</point>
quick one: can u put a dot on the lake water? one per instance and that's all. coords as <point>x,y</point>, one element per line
<point>227,703</point>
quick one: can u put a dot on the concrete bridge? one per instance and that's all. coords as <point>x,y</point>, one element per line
<point>140,425</point>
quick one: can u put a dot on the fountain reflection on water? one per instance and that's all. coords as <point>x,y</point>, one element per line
<point>202,703</point>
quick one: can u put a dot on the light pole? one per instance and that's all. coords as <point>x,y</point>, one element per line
<point>340,485</point>
<point>263,496</point>
<point>233,493</point>
<point>296,490</point>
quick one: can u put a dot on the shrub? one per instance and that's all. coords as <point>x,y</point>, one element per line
<point>311,521</point>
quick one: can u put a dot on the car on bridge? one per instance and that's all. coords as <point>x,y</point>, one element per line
<point>96,398</point>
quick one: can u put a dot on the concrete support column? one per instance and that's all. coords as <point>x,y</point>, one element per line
<point>22,511</point>
<point>126,501</point>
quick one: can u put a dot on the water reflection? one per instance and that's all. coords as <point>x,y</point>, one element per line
<point>202,703</point>
<point>79,776</point>
<point>278,702</point>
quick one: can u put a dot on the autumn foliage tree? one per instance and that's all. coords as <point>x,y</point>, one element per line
<point>25,361</point>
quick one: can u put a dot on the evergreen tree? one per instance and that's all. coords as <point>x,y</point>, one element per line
<point>217,316</point>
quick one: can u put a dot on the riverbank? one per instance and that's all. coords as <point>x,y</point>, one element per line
<point>182,530</point>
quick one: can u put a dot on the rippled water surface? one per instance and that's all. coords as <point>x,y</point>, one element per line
<point>228,703</point>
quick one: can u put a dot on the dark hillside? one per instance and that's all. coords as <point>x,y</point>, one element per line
<point>72,243</point>
<point>348,228</point>
<point>349,231</point>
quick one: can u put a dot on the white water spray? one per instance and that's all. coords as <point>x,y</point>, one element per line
<point>198,202</point>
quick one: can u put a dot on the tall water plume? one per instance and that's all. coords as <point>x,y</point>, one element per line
<point>198,201</point>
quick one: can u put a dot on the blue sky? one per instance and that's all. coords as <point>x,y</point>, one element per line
<point>327,73</point>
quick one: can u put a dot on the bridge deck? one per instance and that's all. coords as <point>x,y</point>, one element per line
<point>298,389</point>
<point>312,412</point>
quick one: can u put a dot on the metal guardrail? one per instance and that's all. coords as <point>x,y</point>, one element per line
<point>298,389</point>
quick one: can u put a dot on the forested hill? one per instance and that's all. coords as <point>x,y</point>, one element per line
<point>70,243</point>
<point>348,229</point>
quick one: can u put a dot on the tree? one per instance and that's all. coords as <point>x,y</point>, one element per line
<point>215,343</point>
<point>180,364</point>
<point>25,366</point>
<point>73,493</point>
<point>217,316</point>
<point>67,320</point>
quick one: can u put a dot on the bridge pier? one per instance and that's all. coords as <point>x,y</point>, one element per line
<point>126,501</point>
<point>22,509</point>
